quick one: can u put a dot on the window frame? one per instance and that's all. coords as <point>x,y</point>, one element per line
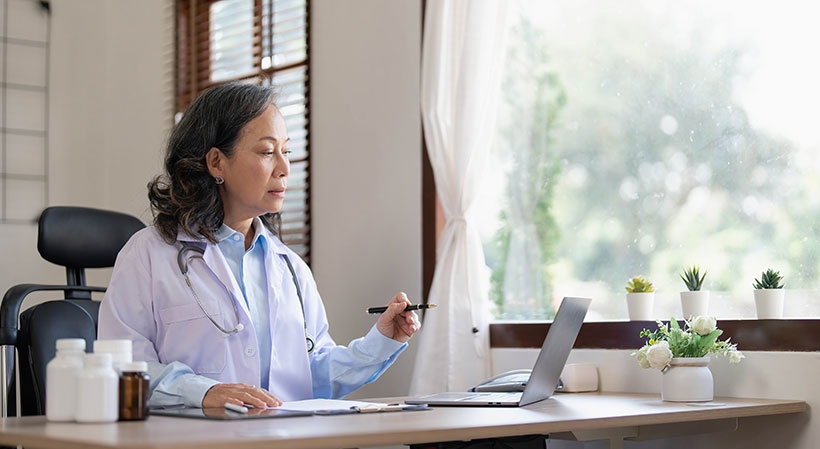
<point>800,335</point>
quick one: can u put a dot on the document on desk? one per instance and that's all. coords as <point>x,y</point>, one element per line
<point>291,408</point>
<point>342,406</point>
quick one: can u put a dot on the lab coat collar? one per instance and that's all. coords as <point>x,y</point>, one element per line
<point>273,241</point>
<point>217,263</point>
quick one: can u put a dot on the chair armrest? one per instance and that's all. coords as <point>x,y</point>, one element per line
<point>13,299</point>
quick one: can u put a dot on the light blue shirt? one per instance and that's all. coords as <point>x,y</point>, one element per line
<point>248,268</point>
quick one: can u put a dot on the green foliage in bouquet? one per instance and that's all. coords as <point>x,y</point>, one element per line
<point>698,338</point>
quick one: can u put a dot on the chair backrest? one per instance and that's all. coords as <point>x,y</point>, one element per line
<point>40,328</point>
<point>80,237</point>
<point>76,238</point>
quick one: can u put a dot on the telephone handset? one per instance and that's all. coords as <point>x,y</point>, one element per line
<point>510,381</point>
<point>514,380</point>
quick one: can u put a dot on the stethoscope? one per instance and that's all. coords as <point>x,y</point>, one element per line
<point>182,261</point>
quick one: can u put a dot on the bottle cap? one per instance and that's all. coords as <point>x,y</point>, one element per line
<point>135,367</point>
<point>71,343</point>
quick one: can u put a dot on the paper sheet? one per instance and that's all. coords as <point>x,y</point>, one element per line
<point>329,405</point>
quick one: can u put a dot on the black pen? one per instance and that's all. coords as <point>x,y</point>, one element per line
<point>378,310</point>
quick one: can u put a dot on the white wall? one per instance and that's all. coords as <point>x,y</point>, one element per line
<point>775,375</point>
<point>366,164</point>
<point>110,99</point>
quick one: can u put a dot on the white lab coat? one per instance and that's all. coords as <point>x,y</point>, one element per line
<point>148,302</point>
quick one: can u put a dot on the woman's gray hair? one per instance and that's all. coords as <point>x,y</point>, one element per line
<point>185,197</point>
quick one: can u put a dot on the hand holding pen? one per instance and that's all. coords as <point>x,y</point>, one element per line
<point>396,321</point>
<point>382,309</point>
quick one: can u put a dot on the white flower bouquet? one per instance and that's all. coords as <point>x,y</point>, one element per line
<point>698,338</point>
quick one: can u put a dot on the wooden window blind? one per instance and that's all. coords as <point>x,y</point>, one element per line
<point>263,42</point>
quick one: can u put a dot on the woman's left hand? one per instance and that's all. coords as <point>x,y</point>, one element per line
<point>397,324</point>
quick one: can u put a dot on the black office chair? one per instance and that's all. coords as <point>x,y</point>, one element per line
<point>76,238</point>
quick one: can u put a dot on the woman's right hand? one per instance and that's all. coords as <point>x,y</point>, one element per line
<point>239,394</point>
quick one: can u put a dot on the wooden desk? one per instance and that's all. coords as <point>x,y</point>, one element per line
<point>582,416</point>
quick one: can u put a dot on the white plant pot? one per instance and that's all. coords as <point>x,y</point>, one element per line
<point>769,303</point>
<point>640,306</point>
<point>694,303</point>
<point>688,380</point>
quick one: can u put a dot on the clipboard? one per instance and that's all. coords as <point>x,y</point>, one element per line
<point>310,407</point>
<point>222,414</point>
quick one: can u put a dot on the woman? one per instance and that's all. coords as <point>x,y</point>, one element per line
<point>211,298</point>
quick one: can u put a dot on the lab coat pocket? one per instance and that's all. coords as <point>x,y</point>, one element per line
<point>187,312</point>
<point>192,339</point>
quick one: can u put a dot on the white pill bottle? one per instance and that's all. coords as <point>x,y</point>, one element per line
<point>61,379</point>
<point>97,390</point>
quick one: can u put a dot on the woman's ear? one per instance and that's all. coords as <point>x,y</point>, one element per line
<point>213,160</point>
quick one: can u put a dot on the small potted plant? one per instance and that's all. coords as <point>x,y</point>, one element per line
<point>694,302</point>
<point>682,355</point>
<point>769,295</point>
<point>640,299</point>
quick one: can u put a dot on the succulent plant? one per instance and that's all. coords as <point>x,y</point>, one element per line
<point>693,278</point>
<point>769,279</point>
<point>639,284</point>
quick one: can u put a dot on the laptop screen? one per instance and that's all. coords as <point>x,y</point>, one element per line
<point>555,351</point>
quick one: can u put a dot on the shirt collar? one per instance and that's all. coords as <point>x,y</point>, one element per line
<point>224,232</point>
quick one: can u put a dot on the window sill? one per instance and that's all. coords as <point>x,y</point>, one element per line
<point>801,335</point>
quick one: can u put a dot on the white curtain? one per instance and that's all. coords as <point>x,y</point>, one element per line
<point>462,56</point>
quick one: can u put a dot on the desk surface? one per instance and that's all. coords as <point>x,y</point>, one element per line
<point>566,412</point>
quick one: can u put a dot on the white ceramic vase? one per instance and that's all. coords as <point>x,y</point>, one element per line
<point>769,303</point>
<point>688,379</point>
<point>694,303</point>
<point>640,306</point>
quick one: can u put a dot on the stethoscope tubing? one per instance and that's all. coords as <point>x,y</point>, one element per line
<point>182,261</point>
<point>183,268</point>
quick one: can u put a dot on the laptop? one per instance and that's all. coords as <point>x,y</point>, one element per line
<point>545,374</point>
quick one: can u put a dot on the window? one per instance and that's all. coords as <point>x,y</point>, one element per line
<point>256,41</point>
<point>643,137</point>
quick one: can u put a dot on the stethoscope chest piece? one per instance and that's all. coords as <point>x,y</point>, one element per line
<point>311,343</point>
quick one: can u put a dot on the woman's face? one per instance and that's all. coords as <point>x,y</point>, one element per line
<point>256,176</point>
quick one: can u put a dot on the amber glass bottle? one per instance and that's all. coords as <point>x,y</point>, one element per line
<point>134,391</point>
